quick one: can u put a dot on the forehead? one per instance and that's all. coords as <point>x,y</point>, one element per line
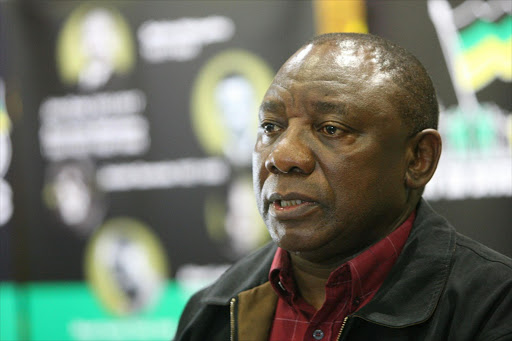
<point>335,61</point>
<point>345,71</point>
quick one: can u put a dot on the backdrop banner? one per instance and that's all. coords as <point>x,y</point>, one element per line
<point>126,133</point>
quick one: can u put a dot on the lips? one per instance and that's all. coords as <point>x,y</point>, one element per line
<point>291,206</point>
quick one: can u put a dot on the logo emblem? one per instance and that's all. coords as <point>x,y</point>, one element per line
<point>126,266</point>
<point>225,101</point>
<point>95,43</point>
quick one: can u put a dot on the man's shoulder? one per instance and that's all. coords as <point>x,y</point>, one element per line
<point>479,290</point>
<point>466,251</point>
<point>480,258</point>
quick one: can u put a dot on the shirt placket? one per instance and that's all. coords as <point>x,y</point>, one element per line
<point>328,319</point>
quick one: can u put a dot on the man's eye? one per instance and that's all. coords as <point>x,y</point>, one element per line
<point>330,130</point>
<point>269,127</point>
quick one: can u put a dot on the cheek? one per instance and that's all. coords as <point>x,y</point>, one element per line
<point>366,182</point>
<point>259,174</point>
<point>355,179</point>
<point>258,168</point>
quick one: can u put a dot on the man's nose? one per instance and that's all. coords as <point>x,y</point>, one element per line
<point>291,154</point>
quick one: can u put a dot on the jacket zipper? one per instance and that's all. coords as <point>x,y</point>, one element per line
<point>232,318</point>
<point>341,329</point>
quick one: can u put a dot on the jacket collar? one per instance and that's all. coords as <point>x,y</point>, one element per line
<point>409,294</point>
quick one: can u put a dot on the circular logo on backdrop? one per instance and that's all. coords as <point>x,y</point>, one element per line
<point>5,130</point>
<point>6,204</point>
<point>125,264</point>
<point>5,141</point>
<point>225,101</point>
<point>71,192</point>
<point>234,222</point>
<point>94,44</point>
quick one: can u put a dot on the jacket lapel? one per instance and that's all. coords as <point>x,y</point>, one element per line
<point>256,309</point>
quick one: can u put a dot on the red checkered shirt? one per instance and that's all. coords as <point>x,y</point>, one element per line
<point>348,288</point>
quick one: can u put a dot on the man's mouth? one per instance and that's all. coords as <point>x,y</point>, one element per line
<point>288,203</point>
<point>286,207</point>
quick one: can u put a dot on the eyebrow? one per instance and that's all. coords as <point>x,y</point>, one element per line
<point>323,107</point>
<point>272,106</point>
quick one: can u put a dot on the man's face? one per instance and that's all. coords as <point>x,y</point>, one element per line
<point>329,161</point>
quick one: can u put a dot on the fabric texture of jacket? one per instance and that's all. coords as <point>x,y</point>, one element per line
<point>444,286</point>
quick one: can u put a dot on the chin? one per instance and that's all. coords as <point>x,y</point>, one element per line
<point>297,239</point>
<point>296,245</point>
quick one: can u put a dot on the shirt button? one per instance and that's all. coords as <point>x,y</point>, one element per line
<point>356,301</point>
<point>318,334</point>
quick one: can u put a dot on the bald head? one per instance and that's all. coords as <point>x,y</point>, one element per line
<point>373,58</point>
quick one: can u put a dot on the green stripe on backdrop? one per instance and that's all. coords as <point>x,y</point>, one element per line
<point>481,30</point>
<point>8,312</point>
<point>69,311</point>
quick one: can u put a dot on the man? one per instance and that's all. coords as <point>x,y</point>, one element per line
<point>347,143</point>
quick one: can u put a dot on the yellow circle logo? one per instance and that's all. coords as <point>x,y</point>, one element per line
<point>225,101</point>
<point>94,44</point>
<point>126,266</point>
<point>5,129</point>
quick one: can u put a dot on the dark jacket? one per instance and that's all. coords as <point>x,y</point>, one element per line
<point>444,286</point>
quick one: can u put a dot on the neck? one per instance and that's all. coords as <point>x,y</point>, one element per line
<point>311,276</point>
<point>311,279</point>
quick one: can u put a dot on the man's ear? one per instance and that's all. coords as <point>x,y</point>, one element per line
<point>424,150</point>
